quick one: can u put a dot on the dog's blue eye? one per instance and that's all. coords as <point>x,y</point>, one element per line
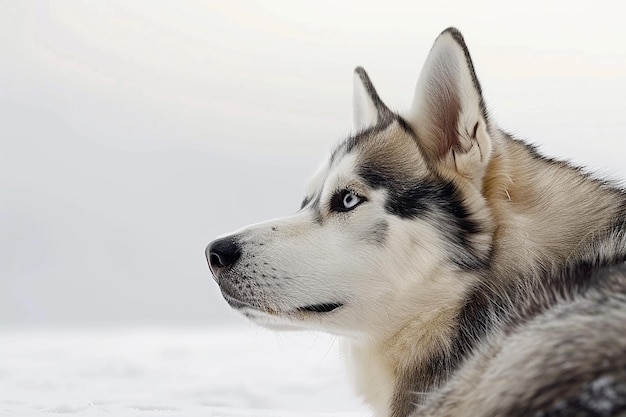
<point>345,200</point>
<point>350,200</point>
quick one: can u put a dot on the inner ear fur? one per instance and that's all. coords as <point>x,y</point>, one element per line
<point>448,111</point>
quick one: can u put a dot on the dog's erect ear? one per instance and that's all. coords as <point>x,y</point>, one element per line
<point>448,112</point>
<point>367,107</point>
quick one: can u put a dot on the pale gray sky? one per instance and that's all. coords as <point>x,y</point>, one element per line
<point>132,133</point>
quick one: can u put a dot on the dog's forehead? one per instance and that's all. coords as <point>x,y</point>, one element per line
<point>390,148</point>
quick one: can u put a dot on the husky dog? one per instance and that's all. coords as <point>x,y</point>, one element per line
<point>467,274</point>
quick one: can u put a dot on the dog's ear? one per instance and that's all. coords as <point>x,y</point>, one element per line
<point>448,112</point>
<point>367,107</point>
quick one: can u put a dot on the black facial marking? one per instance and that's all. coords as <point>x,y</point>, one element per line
<point>352,142</point>
<point>320,308</point>
<point>378,234</point>
<point>363,136</point>
<point>436,199</point>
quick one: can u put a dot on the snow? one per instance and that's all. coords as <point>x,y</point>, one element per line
<point>193,371</point>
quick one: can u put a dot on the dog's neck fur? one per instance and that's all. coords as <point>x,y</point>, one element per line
<point>540,212</point>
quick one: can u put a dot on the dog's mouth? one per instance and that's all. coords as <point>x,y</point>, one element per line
<point>320,308</point>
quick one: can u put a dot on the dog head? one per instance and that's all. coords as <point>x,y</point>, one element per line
<point>387,225</point>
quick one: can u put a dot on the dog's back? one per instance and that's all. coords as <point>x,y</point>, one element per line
<point>556,349</point>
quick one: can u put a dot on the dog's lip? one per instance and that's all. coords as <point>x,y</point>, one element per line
<point>320,308</point>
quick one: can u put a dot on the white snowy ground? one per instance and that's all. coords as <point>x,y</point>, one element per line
<point>199,371</point>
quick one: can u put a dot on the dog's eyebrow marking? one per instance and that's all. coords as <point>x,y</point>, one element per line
<point>355,140</point>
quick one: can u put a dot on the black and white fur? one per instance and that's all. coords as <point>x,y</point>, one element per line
<point>467,274</point>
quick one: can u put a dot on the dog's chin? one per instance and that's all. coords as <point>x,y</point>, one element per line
<point>273,321</point>
<point>294,319</point>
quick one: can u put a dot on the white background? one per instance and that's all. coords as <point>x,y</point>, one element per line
<point>133,133</point>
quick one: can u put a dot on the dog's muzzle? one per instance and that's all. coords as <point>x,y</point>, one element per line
<point>221,254</point>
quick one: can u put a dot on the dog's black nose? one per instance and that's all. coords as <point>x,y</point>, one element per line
<point>222,254</point>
